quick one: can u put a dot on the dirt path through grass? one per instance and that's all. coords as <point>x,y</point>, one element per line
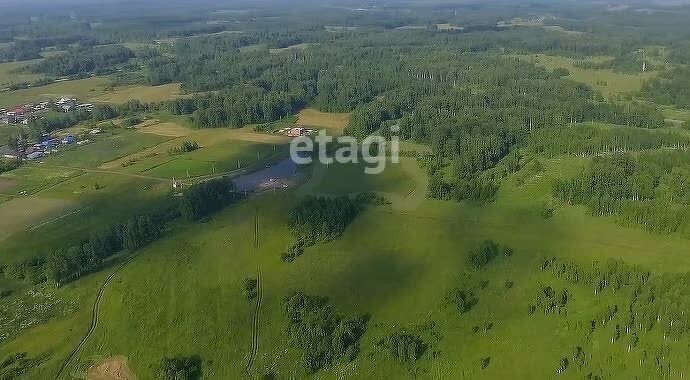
<point>94,317</point>
<point>259,296</point>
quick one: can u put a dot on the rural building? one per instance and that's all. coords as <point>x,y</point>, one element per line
<point>69,139</point>
<point>34,155</point>
<point>66,104</point>
<point>85,107</point>
<point>296,132</point>
<point>50,143</point>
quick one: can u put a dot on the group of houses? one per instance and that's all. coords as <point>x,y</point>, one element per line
<point>296,131</point>
<point>46,145</point>
<point>25,113</point>
<point>72,104</point>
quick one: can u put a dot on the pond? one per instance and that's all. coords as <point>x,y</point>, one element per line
<point>276,176</point>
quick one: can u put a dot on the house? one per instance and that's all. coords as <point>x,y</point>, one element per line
<point>64,101</point>
<point>85,107</point>
<point>47,144</point>
<point>296,132</point>
<point>95,131</point>
<point>69,139</point>
<point>66,104</point>
<point>34,155</point>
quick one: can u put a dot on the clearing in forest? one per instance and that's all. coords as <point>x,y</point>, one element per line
<point>605,80</point>
<point>332,121</point>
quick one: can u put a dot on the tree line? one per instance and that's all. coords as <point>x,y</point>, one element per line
<point>82,61</point>
<point>68,263</point>
<point>649,189</point>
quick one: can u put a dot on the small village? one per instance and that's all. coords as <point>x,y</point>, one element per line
<point>24,114</point>
<point>46,144</point>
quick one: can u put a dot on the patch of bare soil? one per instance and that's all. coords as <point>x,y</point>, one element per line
<point>114,368</point>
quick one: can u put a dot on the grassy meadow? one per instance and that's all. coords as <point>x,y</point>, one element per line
<point>396,262</point>
<point>11,73</point>
<point>105,149</point>
<point>148,94</point>
<point>606,81</point>
<point>94,89</point>
<point>220,150</point>
<point>82,89</point>
<point>333,122</point>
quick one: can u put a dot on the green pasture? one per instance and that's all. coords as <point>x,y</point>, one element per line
<point>222,157</point>
<point>105,149</point>
<point>31,178</point>
<point>12,73</point>
<point>95,200</point>
<point>184,292</point>
<point>606,81</point>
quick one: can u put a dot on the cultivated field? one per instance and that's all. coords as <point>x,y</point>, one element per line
<point>26,212</point>
<point>163,129</point>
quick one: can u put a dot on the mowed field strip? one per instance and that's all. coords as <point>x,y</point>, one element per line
<point>335,122</point>
<point>221,150</point>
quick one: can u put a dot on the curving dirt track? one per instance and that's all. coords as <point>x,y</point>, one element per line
<point>259,295</point>
<point>94,317</point>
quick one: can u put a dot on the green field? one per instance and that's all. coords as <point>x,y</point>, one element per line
<point>31,178</point>
<point>189,284</point>
<point>88,202</point>
<point>220,151</point>
<point>11,73</point>
<point>81,89</point>
<point>223,157</point>
<point>121,95</point>
<point>105,149</point>
<point>615,83</point>
<point>94,89</point>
